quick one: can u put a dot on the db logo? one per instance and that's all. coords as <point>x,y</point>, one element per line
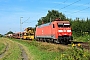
<point>64,30</point>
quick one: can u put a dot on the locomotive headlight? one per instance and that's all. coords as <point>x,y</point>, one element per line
<point>68,30</point>
<point>60,30</point>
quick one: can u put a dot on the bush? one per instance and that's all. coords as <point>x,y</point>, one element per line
<point>75,53</point>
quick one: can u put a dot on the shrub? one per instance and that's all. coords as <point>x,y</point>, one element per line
<point>75,53</point>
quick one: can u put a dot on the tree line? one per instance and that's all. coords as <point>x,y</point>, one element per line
<point>80,27</point>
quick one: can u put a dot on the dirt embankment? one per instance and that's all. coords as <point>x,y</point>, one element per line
<point>23,53</point>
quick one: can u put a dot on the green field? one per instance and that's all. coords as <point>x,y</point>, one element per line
<point>43,51</point>
<point>82,38</point>
<point>12,52</point>
<point>2,47</point>
<point>40,52</point>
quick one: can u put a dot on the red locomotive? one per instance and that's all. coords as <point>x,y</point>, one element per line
<point>56,31</point>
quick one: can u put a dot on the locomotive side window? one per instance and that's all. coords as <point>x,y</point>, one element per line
<point>63,25</point>
<point>60,24</point>
<point>53,26</point>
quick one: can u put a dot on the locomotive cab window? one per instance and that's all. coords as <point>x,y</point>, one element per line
<point>63,25</point>
<point>60,24</point>
<point>66,25</point>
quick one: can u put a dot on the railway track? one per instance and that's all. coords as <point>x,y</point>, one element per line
<point>85,45</point>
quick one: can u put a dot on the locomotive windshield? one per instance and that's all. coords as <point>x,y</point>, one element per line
<point>63,25</point>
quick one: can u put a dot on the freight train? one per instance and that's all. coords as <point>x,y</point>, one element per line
<point>57,31</point>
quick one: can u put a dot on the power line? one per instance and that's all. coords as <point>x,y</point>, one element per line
<point>26,20</point>
<point>79,6</point>
<point>29,17</point>
<point>70,4</point>
<point>84,4</point>
<point>62,2</point>
<point>81,10</point>
<point>65,1</point>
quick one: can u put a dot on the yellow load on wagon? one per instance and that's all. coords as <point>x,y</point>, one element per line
<point>29,33</point>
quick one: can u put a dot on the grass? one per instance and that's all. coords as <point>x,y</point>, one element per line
<point>2,47</point>
<point>75,54</point>
<point>39,51</point>
<point>13,52</point>
<point>82,38</point>
<point>43,52</point>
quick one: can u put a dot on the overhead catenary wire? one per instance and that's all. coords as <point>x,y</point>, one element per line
<point>79,6</point>
<point>67,5</point>
<point>30,22</point>
<point>26,20</point>
<point>65,1</point>
<point>83,4</point>
<point>60,4</point>
<point>70,4</point>
<point>81,10</point>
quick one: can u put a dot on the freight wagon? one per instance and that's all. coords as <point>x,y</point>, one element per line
<point>18,35</point>
<point>28,33</point>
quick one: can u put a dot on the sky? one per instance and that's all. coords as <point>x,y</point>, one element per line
<point>11,12</point>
